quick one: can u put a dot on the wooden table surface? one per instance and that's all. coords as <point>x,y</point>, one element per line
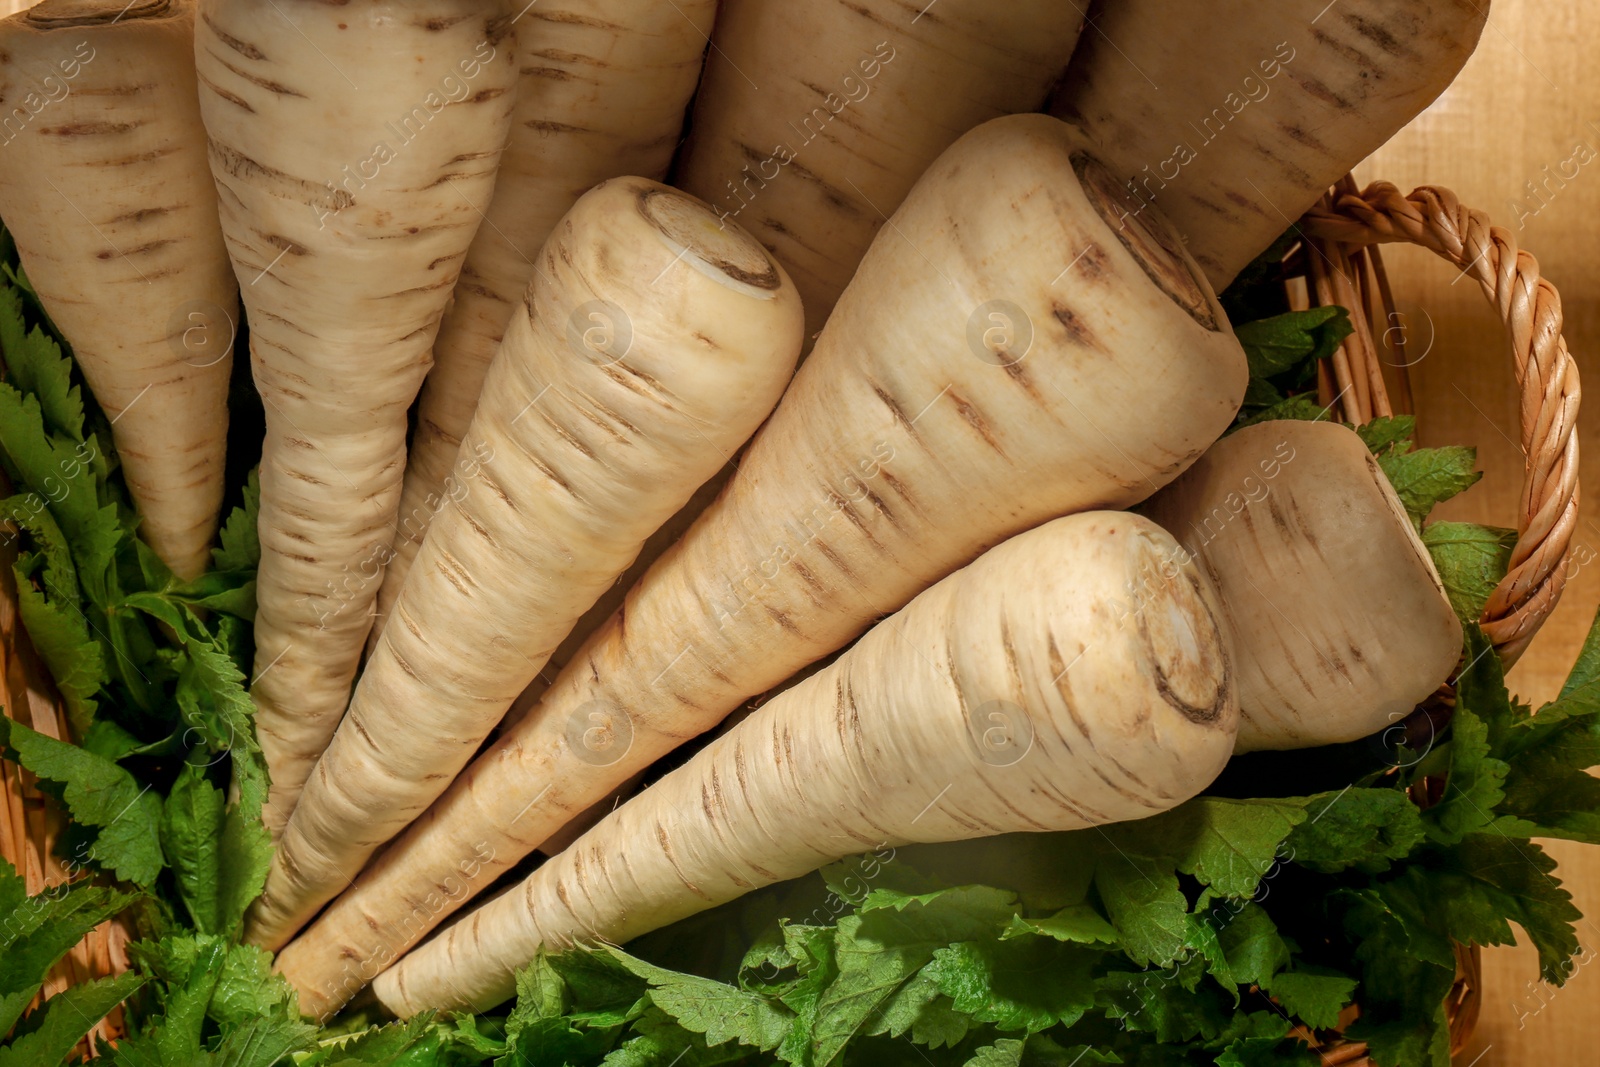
<point>1528,100</point>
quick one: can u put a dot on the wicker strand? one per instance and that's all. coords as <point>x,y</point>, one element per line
<point>1435,219</point>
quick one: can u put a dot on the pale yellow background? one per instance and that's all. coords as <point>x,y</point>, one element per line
<point>1525,100</point>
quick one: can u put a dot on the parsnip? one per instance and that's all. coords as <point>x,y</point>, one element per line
<point>602,89</point>
<point>817,117</point>
<point>1234,117</point>
<point>1006,354</point>
<point>354,148</point>
<point>104,186</point>
<point>1340,624</point>
<point>1024,693</point>
<point>693,331</point>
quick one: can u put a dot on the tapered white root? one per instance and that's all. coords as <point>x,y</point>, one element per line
<point>351,186</point>
<point>601,93</point>
<point>104,186</point>
<point>1071,677</point>
<point>579,453</point>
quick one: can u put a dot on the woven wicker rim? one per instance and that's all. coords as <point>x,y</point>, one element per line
<point>1342,231</point>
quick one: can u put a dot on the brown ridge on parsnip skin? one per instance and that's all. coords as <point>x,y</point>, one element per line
<point>1339,621</point>
<point>947,721</point>
<point>350,191</point>
<point>104,186</point>
<point>579,457</point>
<point>1234,117</point>
<point>912,440</point>
<point>602,87</point>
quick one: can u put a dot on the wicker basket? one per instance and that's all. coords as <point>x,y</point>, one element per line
<point>1336,262</point>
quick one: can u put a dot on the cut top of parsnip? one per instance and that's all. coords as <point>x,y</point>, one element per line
<point>52,14</point>
<point>725,253</point>
<point>1340,622</point>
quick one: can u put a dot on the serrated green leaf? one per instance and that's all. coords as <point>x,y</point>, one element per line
<point>174,1036</point>
<point>1315,996</point>
<point>35,364</point>
<point>1406,971</point>
<point>248,989</point>
<point>1302,407</point>
<point>1254,948</point>
<point>99,795</point>
<point>1280,343</point>
<point>1267,1052</point>
<point>191,833</point>
<point>1162,1004</point>
<point>1006,1052</point>
<point>1028,985</point>
<point>239,546</point>
<point>1369,828</point>
<point>1473,892</point>
<point>1471,560</point>
<point>1077,922</point>
<point>1386,433</point>
<point>1429,476</point>
<point>718,1011</point>
<point>64,1019</point>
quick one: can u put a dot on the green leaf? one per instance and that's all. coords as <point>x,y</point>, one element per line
<point>1585,674</point>
<point>1006,1052</point>
<point>1283,342</point>
<point>718,1011</point>
<point>175,1035</point>
<point>60,475</point>
<point>1471,894</point>
<point>99,795</point>
<point>35,365</point>
<point>1165,1004</point>
<point>191,823</point>
<point>1313,995</point>
<point>55,623</point>
<point>1471,560</point>
<point>1406,972</point>
<point>1228,845</point>
<point>240,547</point>
<point>1302,407</point>
<point>248,989</point>
<point>1365,828</point>
<point>381,1045</point>
<point>1030,984</point>
<point>1076,922</point>
<point>1254,948</point>
<point>37,931</point>
<point>1267,1052</point>
<point>919,1009</point>
<point>56,1028</point>
<point>1387,433</point>
<point>1429,476</point>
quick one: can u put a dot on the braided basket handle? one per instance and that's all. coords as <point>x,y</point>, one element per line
<point>1339,233</point>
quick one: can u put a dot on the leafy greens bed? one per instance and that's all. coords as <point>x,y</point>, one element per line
<point>1222,932</point>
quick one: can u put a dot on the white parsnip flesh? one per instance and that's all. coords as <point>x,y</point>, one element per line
<point>1026,692</point>
<point>104,186</point>
<point>602,86</point>
<point>651,345</point>
<point>1005,355</point>
<point>816,118</point>
<point>1340,624</point>
<point>1233,117</point>
<point>354,148</point>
